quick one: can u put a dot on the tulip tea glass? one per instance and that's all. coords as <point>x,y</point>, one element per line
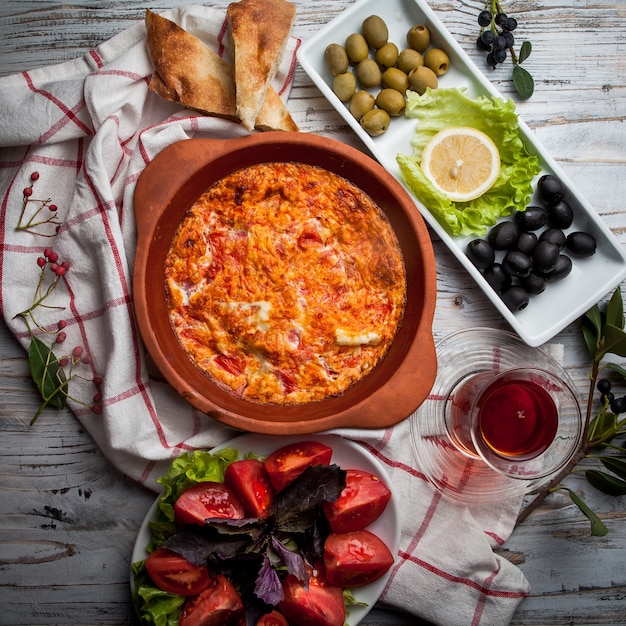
<point>501,420</point>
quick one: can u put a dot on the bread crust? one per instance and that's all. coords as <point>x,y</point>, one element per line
<point>274,114</point>
<point>259,30</point>
<point>187,71</point>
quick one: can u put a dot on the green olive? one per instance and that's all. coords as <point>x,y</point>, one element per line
<point>356,48</point>
<point>437,60</point>
<point>418,37</point>
<point>336,59</point>
<point>421,78</point>
<point>409,59</point>
<point>375,122</point>
<point>375,31</point>
<point>344,86</point>
<point>387,55</point>
<point>395,79</point>
<point>362,102</point>
<point>391,101</point>
<point>368,73</point>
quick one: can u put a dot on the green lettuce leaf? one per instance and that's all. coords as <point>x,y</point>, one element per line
<point>153,605</point>
<point>191,468</point>
<point>442,108</point>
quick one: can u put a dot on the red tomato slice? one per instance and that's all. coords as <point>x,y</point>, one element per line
<point>274,618</point>
<point>231,364</point>
<point>251,482</point>
<point>288,462</point>
<point>321,604</point>
<point>355,559</point>
<point>205,500</point>
<point>361,502</point>
<point>173,573</point>
<point>217,605</point>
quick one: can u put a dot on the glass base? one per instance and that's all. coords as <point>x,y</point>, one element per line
<point>443,447</point>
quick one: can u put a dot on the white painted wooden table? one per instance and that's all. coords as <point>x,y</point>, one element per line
<point>68,519</point>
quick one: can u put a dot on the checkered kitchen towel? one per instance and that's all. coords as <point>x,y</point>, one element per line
<point>87,128</point>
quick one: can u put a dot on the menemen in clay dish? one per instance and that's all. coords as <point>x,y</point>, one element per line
<point>285,283</point>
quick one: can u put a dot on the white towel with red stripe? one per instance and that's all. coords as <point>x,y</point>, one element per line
<point>75,137</point>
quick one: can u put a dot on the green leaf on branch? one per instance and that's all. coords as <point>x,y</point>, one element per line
<point>618,369</point>
<point>615,465</point>
<point>602,428</point>
<point>523,82</point>
<point>615,340</point>
<point>615,310</point>
<point>598,529</point>
<point>47,373</point>
<point>592,329</point>
<point>606,483</point>
<point>525,51</point>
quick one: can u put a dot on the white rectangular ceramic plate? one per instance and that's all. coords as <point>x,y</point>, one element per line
<point>562,302</point>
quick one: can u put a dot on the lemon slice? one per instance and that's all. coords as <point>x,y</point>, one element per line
<point>461,162</point>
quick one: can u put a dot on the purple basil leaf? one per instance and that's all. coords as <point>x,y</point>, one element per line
<point>268,586</point>
<point>251,526</point>
<point>198,546</point>
<point>311,542</point>
<point>297,506</point>
<point>293,562</point>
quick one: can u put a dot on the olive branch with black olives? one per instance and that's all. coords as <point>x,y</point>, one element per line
<point>497,40</point>
<point>604,334</point>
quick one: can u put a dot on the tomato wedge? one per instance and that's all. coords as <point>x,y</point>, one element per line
<point>273,618</point>
<point>288,462</point>
<point>172,573</point>
<point>218,605</point>
<point>206,500</point>
<point>321,604</point>
<point>355,559</point>
<point>362,501</point>
<point>250,481</point>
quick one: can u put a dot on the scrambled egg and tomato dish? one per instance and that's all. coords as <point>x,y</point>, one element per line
<point>285,283</point>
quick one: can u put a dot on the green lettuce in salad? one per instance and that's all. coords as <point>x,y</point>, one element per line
<point>443,108</point>
<point>154,605</point>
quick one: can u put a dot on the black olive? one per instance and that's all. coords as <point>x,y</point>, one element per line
<point>516,298</point>
<point>497,278</point>
<point>581,244</point>
<point>503,235</point>
<point>533,218</point>
<point>480,253</point>
<point>550,188</point>
<point>545,256</point>
<point>526,243</point>
<point>562,269</point>
<point>553,235</point>
<point>560,214</point>
<point>516,263</point>
<point>533,283</point>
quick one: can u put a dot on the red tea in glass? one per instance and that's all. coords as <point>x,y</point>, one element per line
<point>516,417</point>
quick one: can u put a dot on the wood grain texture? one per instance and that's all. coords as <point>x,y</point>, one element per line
<point>68,518</point>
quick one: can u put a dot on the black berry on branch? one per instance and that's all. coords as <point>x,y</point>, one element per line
<point>497,40</point>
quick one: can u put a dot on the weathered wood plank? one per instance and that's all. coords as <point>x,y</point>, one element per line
<point>68,519</point>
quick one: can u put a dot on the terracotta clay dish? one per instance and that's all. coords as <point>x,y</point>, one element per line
<point>181,173</point>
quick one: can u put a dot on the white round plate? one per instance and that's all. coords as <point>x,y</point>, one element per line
<point>348,455</point>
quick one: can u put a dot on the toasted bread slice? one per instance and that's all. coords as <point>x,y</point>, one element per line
<point>259,30</point>
<point>187,71</point>
<point>274,114</point>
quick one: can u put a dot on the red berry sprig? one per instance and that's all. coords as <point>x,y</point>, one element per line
<point>34,217</point>
<point>50,373</point>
